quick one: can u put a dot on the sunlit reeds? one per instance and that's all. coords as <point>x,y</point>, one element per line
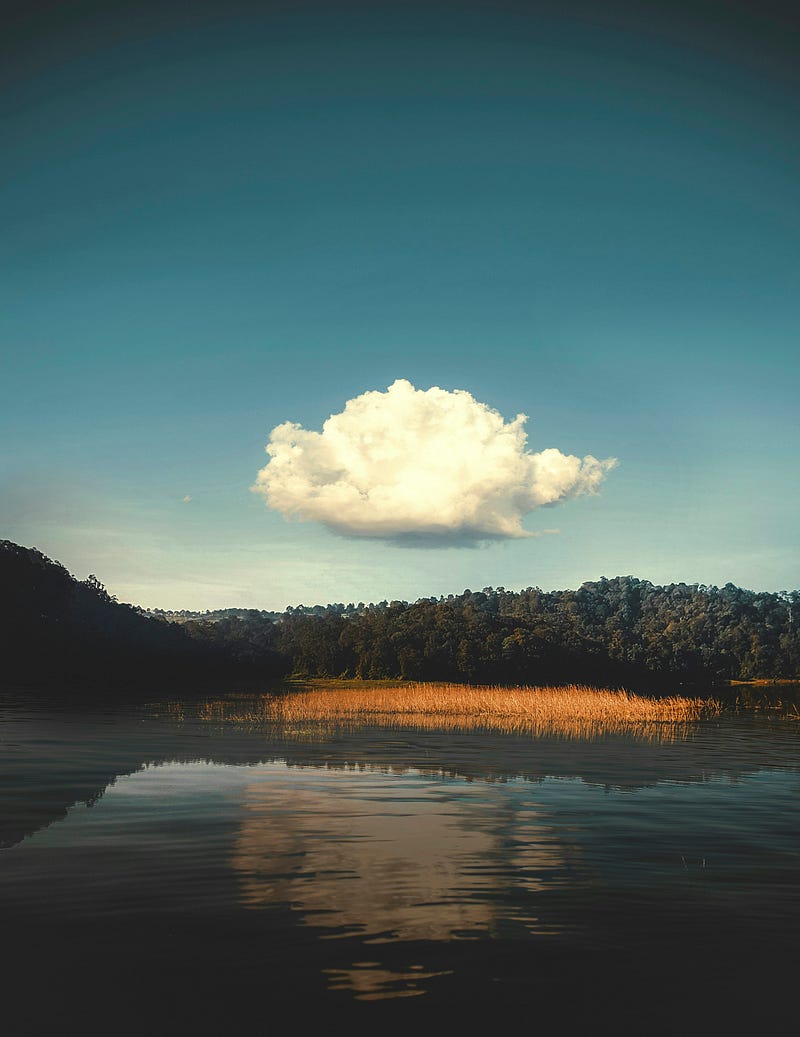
<point>574,711</point>
<point>571,702</point>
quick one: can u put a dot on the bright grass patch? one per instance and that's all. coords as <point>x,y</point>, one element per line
<point>572,702</point>
<point>576,711</point>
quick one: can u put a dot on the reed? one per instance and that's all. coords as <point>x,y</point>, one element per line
<point>527,704</point>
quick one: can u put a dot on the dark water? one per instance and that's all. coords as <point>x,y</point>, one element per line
<point>161,873</point>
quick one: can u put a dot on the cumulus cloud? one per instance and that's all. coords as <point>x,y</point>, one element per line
<point>419,463</point>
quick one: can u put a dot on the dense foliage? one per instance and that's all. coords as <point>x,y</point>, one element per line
<point>57,628</point>
<point>622,630</point>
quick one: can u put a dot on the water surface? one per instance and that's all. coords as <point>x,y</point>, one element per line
<point>164,871</point>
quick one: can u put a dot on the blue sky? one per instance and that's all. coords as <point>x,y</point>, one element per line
<point>218,221</point>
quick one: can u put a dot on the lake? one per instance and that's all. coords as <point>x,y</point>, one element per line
<point>165,871</point>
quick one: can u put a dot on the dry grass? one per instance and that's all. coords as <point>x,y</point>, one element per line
<point>766,682</point>
<point>573,711</point>
<point>571,702</point>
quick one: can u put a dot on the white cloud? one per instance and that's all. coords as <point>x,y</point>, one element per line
<point>187,498</point>
<point>410,462</point>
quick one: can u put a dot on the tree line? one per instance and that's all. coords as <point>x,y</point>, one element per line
<point>620,631</point>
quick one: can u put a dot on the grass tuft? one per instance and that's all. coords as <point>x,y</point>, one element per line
<point>575,711</point>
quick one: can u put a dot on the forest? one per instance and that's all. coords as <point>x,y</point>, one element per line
<point>622,631</point>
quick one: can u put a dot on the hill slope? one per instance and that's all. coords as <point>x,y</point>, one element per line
<point>619,631</point>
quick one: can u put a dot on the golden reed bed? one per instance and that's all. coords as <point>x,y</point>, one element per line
<point>573,711</point>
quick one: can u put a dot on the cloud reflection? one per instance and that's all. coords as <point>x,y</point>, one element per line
<point>364,854</point>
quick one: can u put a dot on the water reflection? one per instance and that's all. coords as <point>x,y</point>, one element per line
<point>390,859</point>
<point>51,758</point>
<point>317,718</point>
<point>369,981</point>
<point>380,864</point>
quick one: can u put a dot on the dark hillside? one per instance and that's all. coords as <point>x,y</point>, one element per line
<point>59,629</point>
<point>622,631</point>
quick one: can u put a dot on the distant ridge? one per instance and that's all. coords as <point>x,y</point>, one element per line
<point>619,631</point>
<point>59,630</point>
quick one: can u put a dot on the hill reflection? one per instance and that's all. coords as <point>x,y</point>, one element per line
<point>51,758</point>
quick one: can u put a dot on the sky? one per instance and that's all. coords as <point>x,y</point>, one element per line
<point>509,291</point>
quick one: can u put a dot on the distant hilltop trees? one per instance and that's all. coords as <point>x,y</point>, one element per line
<point>622,630</point>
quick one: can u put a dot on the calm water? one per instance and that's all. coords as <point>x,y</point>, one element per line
<point>165,873</point>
